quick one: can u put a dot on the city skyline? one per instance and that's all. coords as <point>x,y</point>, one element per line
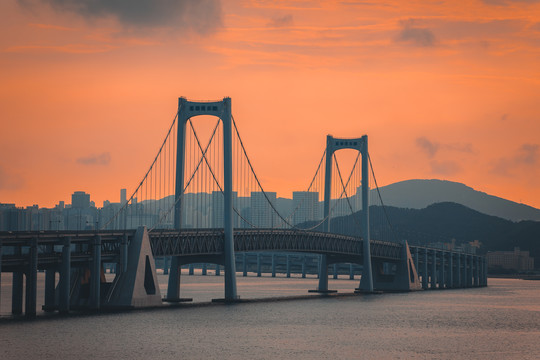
<point>443,90</point>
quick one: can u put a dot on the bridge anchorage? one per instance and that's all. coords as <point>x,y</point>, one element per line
<point>210,218</point>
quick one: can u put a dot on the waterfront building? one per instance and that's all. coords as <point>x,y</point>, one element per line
<point>516,260</point>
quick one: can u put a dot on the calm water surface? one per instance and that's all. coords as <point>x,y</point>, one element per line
<point>501,321</point>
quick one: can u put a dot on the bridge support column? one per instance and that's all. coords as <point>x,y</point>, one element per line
<point>17,293</point>
<point>451,270</point>
<point>304,266</point>
<point>166,265</point>
<point>31,281</point>
<point>434,270</point>
<point>460,276</point>
<point>288,265</point>
<point>273,265</point>
<point>259,265</point>
<point>218,270</point>
<point>204,268</point>
<point>323,277</point>
<point>50,283</point>
<point>485,272</point>
<point>465,282</point>
<point>425,275</point>
<point>173,286</point>
<point>64,283</point>
<point>244,264</point>
<point>476,272</point>
<point>335,271</point>
<point>442,280</point>
<point>351,272</point>
<point>191,269</point>
<point>468,271</point>
<point>95,275</point>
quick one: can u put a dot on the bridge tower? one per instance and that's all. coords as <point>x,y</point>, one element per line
<point>361,145</point>
<point>222,110</point>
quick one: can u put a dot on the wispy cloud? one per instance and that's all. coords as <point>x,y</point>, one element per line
<point>427,146</point>
<point>527,155</point>
<point>202,16</point>
<point>281,21</point>
<point>99,159</point>
<point>410,33</point>
<point>431,148</point>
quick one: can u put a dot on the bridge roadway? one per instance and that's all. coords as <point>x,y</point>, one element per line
<point>191,245</point>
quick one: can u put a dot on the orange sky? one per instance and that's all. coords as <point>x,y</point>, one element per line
<point>444,89</point>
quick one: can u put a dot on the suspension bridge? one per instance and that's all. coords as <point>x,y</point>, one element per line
<point>202,202</point>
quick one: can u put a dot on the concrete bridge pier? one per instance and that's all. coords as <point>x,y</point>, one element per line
<point>476,272</point>
<point>64,283</point>
<point>323,277</point>
<point>335,271</point>
<point>95,274</point>
<point>50,284</point>
<point>425,275</point>
<point>273,265</point>
<point>218,270</point>
<point>450,270</point>
<point>31,281</point>
<point>17,293</point>
<point>442,281</point>
<point>288,259</point>
<point>244,264</point>
<point>459,272</point>
<point>166,265</point>
<point>465,271</point>
<point>173,286</point>
<point>351,272</point>
<point>485,272</point>
<point>434,269</point>
<point>204,268</point>
<point>259,265</point>
<point>191,269</point>
<point>416,259</point>
<point>304,267</point>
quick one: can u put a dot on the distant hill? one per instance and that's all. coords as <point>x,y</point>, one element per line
<point>418,194</point>
<point>447,222</point>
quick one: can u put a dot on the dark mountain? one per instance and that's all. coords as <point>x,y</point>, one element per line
<point>444,223</point>
<point>418,194</point>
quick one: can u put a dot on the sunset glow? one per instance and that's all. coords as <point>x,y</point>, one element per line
<point>446,90</point>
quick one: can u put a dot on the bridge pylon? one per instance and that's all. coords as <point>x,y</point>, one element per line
<point>222,110</point>
<point>361,145</point>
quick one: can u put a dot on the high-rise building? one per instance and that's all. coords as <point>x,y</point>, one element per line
<point>80,200</point>
<point>123,197</point>
<point>262,214</point>
<point>305,206</point>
